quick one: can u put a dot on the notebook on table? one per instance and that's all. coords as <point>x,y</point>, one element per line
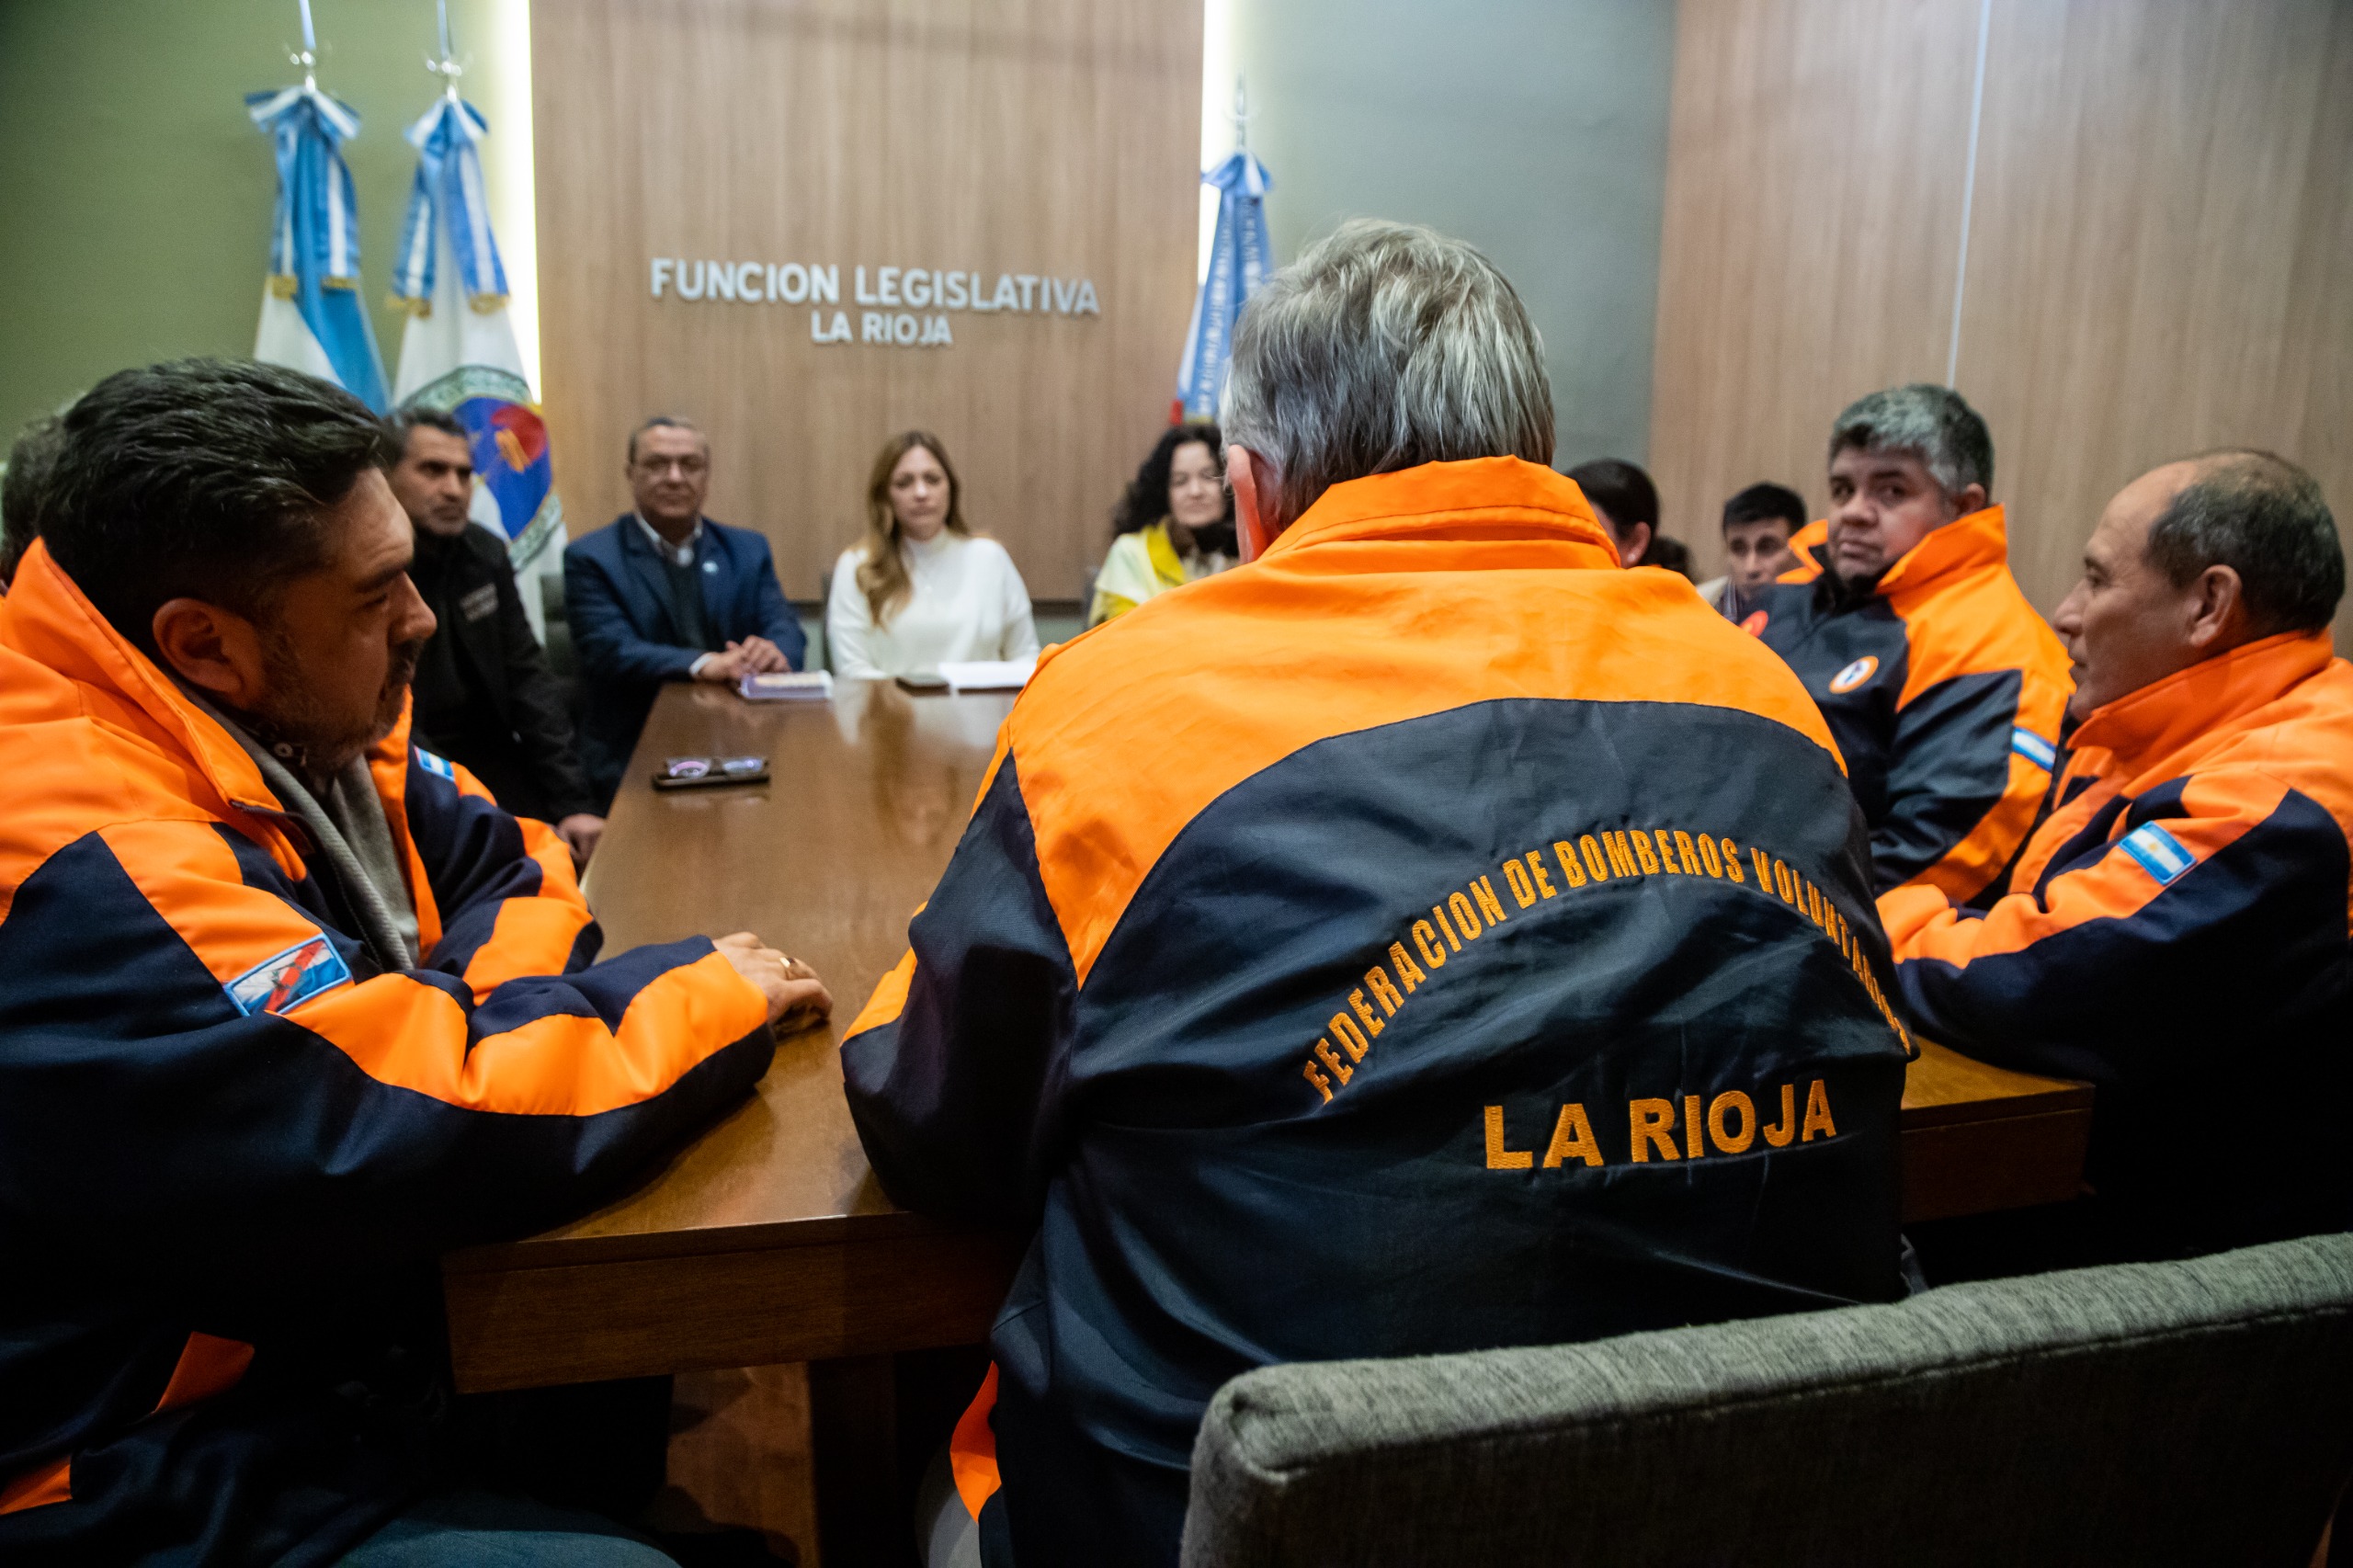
<point>786,686</point>
<point>987,674</point>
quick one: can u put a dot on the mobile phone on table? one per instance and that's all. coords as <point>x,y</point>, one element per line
<point>709,772</point>
<point>925,681</point>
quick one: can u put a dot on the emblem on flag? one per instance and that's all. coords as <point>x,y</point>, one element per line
<point>510,452</point>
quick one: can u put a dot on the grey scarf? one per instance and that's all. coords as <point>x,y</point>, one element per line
<point>356,837</point>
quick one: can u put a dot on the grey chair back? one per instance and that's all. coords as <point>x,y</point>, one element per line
<point>556,616</point>
<point>820,647</point>
<point>2195,1411</point>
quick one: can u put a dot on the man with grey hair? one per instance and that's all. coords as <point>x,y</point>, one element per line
<point>2179,933</point>
<point>1426,935</point>
<point>1942,685</point>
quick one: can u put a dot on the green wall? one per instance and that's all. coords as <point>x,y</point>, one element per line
<point>135,196</point>
<point>1534,129</point>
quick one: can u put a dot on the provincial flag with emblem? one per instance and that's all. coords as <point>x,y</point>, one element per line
<point>312,317</point>
<point>458,352</point>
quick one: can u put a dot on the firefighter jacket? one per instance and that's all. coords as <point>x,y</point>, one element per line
<point>231,1148</point>
<point>1427,936</point>
<point>1943,688</point>
<point>2178,936</point>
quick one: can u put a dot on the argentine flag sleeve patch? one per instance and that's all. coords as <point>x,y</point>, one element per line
<point>2034,749</point>
<point>437,767</point>
<point>2159,852</point>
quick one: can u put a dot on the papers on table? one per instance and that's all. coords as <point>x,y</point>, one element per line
<point>788,685</point>
<point>987,674</point>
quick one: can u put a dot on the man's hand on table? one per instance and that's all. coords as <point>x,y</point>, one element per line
<point>797,998</point>
<point>581,831</point>
<point>751,656</point>
<point>721,669</point>
<point>758,656</point>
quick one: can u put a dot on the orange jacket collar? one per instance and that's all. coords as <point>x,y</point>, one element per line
<point>1969,543</point>
<point>2143,728</point>
<point>1806,545</point>
<point>48,620</point>
<point>1481,498</point>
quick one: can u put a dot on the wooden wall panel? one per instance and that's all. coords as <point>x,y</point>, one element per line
<point>1813,223</point>
<point>2160,260</point>
<point>1052,137</point>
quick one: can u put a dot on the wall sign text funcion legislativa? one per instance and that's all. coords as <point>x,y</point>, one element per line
<point>903,292</point>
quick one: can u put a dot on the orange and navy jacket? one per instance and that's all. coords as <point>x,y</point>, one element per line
<point>1425,937</point>
<point>2178,936</point>
<point>230,1147</point>
<point>1944,691</point>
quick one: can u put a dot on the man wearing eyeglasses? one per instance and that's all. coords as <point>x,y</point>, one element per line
<point>665,594</point>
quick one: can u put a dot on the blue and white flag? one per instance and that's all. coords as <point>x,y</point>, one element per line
<point>458,352</point>
<point>1241,257</point>
<point>312,316</point>
<point>446,201</point>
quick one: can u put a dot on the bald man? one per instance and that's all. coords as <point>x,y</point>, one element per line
<point>2179,931</point>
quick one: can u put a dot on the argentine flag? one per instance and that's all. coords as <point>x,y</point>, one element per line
<point>311,318</point>
<point>458,352</point>
<point>1241,256</point>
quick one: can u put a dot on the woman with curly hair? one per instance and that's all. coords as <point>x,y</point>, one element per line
<point>1175,523</point>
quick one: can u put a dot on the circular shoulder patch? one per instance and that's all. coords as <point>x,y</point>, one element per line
<point>1854,674</point>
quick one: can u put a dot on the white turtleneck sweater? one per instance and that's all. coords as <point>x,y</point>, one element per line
<point>968,602</point>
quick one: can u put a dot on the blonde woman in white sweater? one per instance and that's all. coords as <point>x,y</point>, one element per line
<point>923,588</point>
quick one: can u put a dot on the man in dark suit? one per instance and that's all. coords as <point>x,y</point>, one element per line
<point>484,694</point>
<point>665,594</point>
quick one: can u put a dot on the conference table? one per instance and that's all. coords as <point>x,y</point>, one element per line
<point>768,1240</point>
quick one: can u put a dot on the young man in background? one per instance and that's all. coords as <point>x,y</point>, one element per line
<point>1758,523</point>
<point>483,694</point>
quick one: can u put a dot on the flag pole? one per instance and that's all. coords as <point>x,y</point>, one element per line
<point>309,57</point>
<point>445,64</point>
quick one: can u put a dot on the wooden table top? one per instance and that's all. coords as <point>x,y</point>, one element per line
<point>1944,1087</point>
<point>828,861</point>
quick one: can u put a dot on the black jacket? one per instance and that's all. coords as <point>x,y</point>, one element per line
<point>485,697</point>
